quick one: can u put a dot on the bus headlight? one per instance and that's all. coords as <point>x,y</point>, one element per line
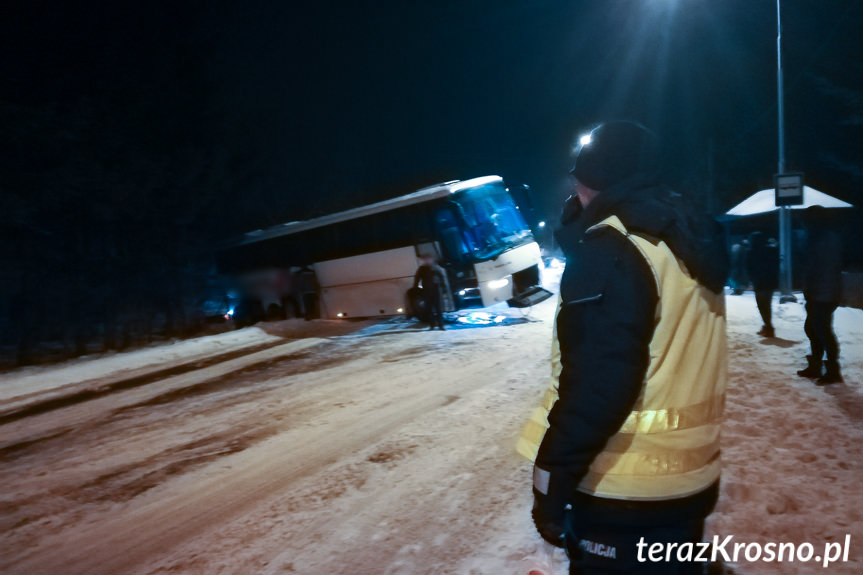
<point>497,284</point>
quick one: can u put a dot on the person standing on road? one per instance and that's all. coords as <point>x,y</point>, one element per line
<point>738,280</point>
<point>309,292</point>
<point>822,290</point>
<point>431,277</point>
<point>632,445</point>
<point>762,263</point>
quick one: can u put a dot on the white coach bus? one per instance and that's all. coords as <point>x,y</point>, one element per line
<point>364,259</point>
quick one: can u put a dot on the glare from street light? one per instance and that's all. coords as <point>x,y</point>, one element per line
<point>542,224</point>
<point>585,139</point>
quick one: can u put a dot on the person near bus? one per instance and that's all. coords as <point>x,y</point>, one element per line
<point>822,290</point>
<point>432,280</point>
<point>631,448</point>
<point>309,292</point>
<point>762,265</point>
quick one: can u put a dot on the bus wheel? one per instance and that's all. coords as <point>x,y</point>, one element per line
<point>417,305</point>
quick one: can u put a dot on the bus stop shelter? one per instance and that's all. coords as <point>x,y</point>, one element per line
<point>754,213</point>
<point>764,202</point>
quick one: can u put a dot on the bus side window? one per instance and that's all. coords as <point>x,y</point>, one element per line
<point>450,236</point>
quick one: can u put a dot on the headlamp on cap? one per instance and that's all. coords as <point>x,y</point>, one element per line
<point>614,152</point>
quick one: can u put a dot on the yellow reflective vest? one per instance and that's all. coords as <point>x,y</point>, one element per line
<point>668,447</point>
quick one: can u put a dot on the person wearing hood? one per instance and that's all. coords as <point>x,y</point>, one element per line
<point>762,264</point>
<point>630,456</point>
<point>822,290</point>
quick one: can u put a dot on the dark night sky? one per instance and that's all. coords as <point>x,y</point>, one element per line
<point>331,104</point>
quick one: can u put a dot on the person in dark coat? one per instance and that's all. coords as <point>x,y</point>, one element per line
<point>822,290</point>
<point>309,291</point>
<point>762,265</point>
<point>641,329</point>
<point>738,280</point>
<point>431,277</point>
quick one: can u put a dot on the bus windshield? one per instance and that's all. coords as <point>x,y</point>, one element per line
<point>491,220</point>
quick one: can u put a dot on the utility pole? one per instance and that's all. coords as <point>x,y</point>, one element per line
<point>784,211</point>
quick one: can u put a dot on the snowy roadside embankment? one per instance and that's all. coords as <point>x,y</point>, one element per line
<point>34,380</point>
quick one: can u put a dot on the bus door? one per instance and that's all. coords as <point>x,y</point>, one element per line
<point>457,248</point>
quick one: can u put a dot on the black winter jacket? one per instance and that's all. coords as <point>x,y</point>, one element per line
<point>824,267</point>
<point>430,277</point>
<point>607,317</point>
<point>762,265</point>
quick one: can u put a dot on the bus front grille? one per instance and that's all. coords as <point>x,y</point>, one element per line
<point>527,290</point>
<point>525,280</point>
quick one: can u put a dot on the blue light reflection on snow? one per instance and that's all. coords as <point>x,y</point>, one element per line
<point>481,318</point>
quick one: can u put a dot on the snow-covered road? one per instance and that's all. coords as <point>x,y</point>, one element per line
<point>390,453</point>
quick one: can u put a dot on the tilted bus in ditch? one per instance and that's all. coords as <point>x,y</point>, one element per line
<point>363,260</point>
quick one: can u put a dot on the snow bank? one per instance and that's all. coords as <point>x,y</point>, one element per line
<point>32,380</point>
<point>792,451</point>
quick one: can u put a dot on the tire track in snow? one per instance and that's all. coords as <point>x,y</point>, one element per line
<point>28,431</point>
<point>189,505</point>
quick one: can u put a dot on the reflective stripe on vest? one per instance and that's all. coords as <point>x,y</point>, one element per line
<point>671,418</point>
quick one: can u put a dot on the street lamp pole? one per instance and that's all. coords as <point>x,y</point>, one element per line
<point>784,211</point>
<point>780,91</point>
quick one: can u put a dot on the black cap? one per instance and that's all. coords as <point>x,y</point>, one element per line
<point>616,151</point>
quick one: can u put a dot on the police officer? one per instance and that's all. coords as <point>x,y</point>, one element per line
<point>632,445</point>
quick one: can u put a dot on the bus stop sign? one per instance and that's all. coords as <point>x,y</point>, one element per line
<point>789,189</point>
